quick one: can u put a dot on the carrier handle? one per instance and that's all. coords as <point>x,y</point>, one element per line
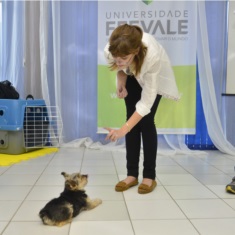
<point>29,96</point>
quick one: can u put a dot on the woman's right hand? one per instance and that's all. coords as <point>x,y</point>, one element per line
<point>121,92</point>
<point>121,85</point>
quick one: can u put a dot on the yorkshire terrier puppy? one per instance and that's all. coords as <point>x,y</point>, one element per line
<point>60,211</point>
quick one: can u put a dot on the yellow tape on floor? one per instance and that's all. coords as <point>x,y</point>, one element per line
<point>7,159</point>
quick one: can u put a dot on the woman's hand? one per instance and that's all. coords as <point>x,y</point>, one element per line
<point>121,92</point>
<point>121,85</point>
<point>114,135</point>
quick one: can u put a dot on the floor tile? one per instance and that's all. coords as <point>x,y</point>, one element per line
<point>230,202</point>
<point>97,155</point>
<point>118,154</point>
<point>25,169</point>
<point>214,226</point>
<point>40,161</point>
<point>120,163</point>
<point>189,160</point>
<point>44,192</point>
<point>165,161</point>
<point>212,153</point>
<point>232,157</point>
<point>105,212</point>
<point>110,180</point>
<point>2,226</point>
<point>101,227</point>
<point>18,179</point>
<point>150,210</point>
<point>119,158</point>
<point>3,169</point>
<point>59,169</point>
<point>8,209</point>
<point>227,169</point>
<point>104,193</point>
<point>122,177</point>
<point>14,192</point>
<point>220,191</point>
<point>221,179</point>
<point>71,150</point>
<point>203,169</point>
<point>121,170</point>
<point>35,228</point>
<point>75,155</point>
<point>205,208</point>
<point>29,211</point>
<point>163,227</point>
<point>178,179</point>
<point>158,194</point>
<point>103,170</point>
<point>219,161</point>
<point>190,192</point>
<point>99,163</point>
<point>51,179</point>
<point>170,170</point>
<point>66,161</point>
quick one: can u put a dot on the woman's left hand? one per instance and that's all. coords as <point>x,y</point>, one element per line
<point>114,135</point>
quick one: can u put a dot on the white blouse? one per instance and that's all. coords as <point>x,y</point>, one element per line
<point>156,75</point>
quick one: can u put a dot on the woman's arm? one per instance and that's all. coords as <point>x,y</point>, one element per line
<point>132,121</point>
<point>113,134</point>
<point>121,84</point>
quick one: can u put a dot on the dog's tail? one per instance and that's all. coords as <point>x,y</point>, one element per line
<point>56,215</point>
<point>45,216</point>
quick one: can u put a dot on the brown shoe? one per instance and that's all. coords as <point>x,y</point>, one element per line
<point>122,186</point>
<point>143,188</point>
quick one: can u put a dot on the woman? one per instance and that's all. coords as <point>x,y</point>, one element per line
<point>144,75</point>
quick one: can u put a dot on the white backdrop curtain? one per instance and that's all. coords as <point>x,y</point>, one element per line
<point>32,58</point>
<point>58,47</point>
<point>12,44</point>
<point>211,102</point>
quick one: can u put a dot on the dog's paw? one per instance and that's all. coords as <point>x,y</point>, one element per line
<point>97,201</point>
<point>92,203</point>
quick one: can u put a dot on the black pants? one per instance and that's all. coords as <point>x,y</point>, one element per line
<point>146,128</point>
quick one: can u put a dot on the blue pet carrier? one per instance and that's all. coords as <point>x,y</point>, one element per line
<point>24,125</point>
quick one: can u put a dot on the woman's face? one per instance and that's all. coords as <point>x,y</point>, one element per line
<point>124,62</point>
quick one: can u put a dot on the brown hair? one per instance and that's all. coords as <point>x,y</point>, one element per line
<point>127,39</point>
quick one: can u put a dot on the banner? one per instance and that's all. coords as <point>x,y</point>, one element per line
<point>173,24</point>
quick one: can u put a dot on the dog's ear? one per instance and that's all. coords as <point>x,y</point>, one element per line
<point>64,174</point>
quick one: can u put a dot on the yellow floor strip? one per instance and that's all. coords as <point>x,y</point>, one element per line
<point>7,159</point>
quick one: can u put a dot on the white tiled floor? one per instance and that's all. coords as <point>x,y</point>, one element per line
<point>190,198</point>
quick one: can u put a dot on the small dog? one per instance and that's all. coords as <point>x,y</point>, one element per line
<point>60,211</point>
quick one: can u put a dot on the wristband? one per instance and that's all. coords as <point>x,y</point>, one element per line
<point>128,127</point>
